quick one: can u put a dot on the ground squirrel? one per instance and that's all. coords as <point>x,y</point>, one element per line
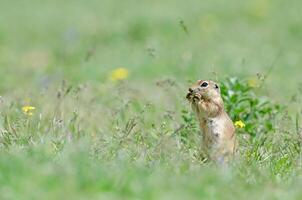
<point>218,131</point>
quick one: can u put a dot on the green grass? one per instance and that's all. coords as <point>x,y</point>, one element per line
<point>93,138</point>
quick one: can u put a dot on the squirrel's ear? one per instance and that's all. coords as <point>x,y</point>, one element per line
<point>200,81</point>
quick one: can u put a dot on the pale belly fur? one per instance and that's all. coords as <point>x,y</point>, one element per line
<point>218,137</point>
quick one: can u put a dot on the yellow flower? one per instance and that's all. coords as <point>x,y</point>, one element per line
<point>253,82</point>
<point>239,124</point>
<point>28,110</point>
<point>259,9</point>
<point>119,74</point>
<point>208,23</point>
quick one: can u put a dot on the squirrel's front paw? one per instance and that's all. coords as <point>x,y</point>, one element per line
<point>197,97</point>
<point>201,101</point>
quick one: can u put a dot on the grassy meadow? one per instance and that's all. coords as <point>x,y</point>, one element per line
<point>92,98</point>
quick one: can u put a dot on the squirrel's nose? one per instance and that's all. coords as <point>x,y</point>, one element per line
<point>191,90</point>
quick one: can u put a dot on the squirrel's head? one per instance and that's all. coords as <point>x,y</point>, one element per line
<point>204,89</point>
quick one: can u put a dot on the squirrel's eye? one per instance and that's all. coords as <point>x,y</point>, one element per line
<point>204,84</point>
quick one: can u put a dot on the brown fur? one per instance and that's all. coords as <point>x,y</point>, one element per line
<point>217,127</point>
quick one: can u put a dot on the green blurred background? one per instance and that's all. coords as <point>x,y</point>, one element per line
<point>81,41</point>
